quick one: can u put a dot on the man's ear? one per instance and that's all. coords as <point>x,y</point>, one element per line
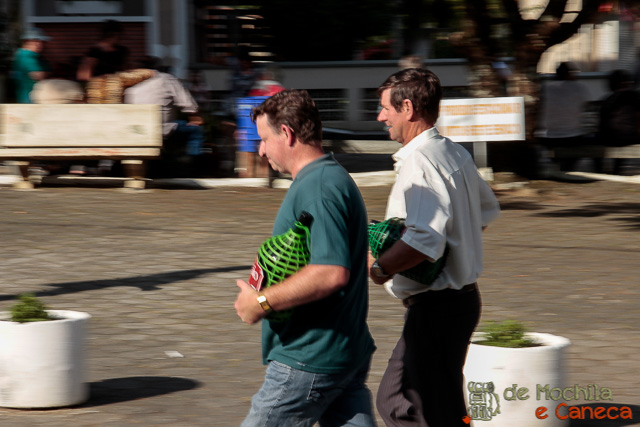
<point>407,108</point>
<point>288,133</point>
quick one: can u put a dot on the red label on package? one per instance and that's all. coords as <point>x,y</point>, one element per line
<point>257,276</point>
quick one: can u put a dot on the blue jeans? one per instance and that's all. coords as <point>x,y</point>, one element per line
<point>291,397</point>
<point>194,136</point>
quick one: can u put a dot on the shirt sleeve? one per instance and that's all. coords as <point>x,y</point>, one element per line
<point>181,97</point>
<point>489,205</point>
<point>133,77</point>
<point>329,234</point>
<point>32,64</point>
<point>428,212</point>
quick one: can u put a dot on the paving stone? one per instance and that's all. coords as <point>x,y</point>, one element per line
<point>157,272</point>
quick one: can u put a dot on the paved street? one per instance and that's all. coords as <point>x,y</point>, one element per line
<point>156,269</point>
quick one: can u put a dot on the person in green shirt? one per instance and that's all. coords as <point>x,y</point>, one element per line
<point>318,359</point>
<point>27,66</point>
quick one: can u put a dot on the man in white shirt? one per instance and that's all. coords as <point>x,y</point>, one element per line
<point>563,103</point>
<point>446,203</point>
<point>182,137</point>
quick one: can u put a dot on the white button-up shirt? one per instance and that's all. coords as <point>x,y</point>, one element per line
<point>562,107</point>
<point>167,91</point>
<point>444,199</point>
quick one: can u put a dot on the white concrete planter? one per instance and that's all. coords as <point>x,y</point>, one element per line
<point>523,367</point>
<point>42,363</point>
<point>88,7</point>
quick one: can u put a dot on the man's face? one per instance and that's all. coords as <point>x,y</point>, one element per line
<point>392,119</point>
<point>35,45</point>
<point>272,144</point>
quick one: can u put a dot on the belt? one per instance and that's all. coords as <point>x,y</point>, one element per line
<point>431,295</point>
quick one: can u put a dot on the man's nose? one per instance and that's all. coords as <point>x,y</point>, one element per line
<point>261,150</point>
<point>382,116</point>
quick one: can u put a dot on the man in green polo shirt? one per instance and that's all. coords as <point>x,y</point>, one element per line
<point>27,66</point>
<point>319,358</point>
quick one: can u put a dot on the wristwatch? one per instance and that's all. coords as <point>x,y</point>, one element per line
<point>262,299</point>
<point>377,270</point>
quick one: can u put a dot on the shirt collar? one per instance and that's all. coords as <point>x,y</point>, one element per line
<point>314,165</point>
<point>403,153</point>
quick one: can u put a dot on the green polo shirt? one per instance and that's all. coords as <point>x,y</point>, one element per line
<point>25,62</point>
<point>330,335</point>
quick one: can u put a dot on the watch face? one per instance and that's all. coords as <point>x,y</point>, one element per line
<point>377,270</point>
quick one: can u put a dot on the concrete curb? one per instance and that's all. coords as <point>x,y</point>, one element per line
<point>604,177</point>
<point>363,179</point>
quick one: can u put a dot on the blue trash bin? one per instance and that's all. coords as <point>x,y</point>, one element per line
<point>248,138</point>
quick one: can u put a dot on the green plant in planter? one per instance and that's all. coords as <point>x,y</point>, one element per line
<point>509,333</point>
<point>29,309</point>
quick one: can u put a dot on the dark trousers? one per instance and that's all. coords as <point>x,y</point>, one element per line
<point>423,383</point>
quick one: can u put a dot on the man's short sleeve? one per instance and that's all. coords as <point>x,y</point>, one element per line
<point>329,234</point>
<point>31,64</point>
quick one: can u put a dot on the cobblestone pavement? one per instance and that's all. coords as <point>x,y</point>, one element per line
<point>156,270</point>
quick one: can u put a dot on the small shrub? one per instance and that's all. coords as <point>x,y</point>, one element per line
<point>29,309</point>
<point>509,333</point>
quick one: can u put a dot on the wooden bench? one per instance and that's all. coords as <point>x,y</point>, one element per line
<point>130,133</point>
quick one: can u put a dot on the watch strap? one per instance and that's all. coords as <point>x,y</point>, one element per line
<point>262,299</point>
<point>378,271</point>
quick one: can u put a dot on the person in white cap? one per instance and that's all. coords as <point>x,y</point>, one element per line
<point>28,66</point>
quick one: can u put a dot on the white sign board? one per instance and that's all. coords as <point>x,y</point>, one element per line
<point>482,119</point>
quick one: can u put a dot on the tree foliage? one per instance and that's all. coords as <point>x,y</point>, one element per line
<point>326,30</point>
<point>494,28</point>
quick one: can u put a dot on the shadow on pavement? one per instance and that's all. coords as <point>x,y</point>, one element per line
<point>145,283</point>
<point>594,210</point>
<point>116,390</point>
<point>610,417</point>
<point>520,205</point>
<point>598,210</point>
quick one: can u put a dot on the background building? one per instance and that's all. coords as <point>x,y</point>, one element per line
<point>204,35</point>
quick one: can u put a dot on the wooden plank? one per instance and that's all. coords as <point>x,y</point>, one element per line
<point>80,153</point>
<point>80,125</point>
<point>626,152</point>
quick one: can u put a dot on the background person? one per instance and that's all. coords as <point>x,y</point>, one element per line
<point>250,164</point>
<point>318,360</point>
<point>200,91</point>
<point>28,66</point>
<point>109,89</point>
<point>439,191</point>
<point>107,56</point>
<point>619,123</point>
<point>183,139</point>
<point>562,105</point>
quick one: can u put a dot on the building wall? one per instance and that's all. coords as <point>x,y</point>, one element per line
<point>69,43</point>
<point>345,90</point>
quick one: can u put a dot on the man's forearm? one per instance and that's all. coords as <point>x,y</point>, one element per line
<point>401,257</point>
<point>38,75</point>
<point>311,283</point>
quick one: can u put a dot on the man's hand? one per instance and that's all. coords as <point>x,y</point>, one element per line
<point>195,120</point>
<point>399,257</point>
<point>378,280</point>
<point>247,305</point>
<point>370,260</point>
